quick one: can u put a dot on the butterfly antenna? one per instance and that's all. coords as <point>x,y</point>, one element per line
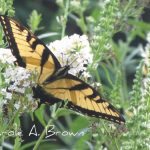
<point>72,61</point>
<point>76,65</point>
<point>62,55</point>
<point>67,61</point>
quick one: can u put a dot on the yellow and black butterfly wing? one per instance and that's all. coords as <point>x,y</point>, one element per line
<point>29,51</point>
<point>82,98</point>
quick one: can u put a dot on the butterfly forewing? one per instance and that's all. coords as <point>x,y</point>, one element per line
<point>29,51</point>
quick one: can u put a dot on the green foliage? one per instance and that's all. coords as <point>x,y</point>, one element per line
<point>104,22</point>
<point>69,8</point>
<point>6,7</point>
<point>34,21</point>
<point>112,66</point>
<point>1,38</point>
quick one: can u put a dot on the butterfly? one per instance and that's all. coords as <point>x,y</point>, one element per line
<point>55,84</point>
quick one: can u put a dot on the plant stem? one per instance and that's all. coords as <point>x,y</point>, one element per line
<point>54,112</point>
<point>113,140</point>
<point>65,18</point>
<point>83,25</point>
<point>124,84</point>
<point>42,135</point>
<point>13,118</point>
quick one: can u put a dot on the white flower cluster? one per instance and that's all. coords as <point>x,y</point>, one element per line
<point>6,56</point>
<point>16,80</point>
<point>146,68</point>
<point>74,51</point>
<point>19,77</point>
<point>103,3</point>
<point>75,3</point>
<point>19,83</point>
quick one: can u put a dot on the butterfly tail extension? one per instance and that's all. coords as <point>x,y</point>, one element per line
<point>119,116</point>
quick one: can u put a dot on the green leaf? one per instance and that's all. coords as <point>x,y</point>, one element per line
<point>39,113</point>
<point>34,21</point>
<point>63,112</point>
<point>17,143</point>
<point>79,123</point>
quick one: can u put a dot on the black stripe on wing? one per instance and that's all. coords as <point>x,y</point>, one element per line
<point>9,36</point>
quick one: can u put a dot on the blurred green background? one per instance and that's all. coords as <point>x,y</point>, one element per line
<point>124,25</point>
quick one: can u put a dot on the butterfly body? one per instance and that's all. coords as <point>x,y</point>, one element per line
<point>55,84</point>
<point>58,74</point>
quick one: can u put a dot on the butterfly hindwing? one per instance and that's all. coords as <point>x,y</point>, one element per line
<point>82,98</point>
<point>29,51</point>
